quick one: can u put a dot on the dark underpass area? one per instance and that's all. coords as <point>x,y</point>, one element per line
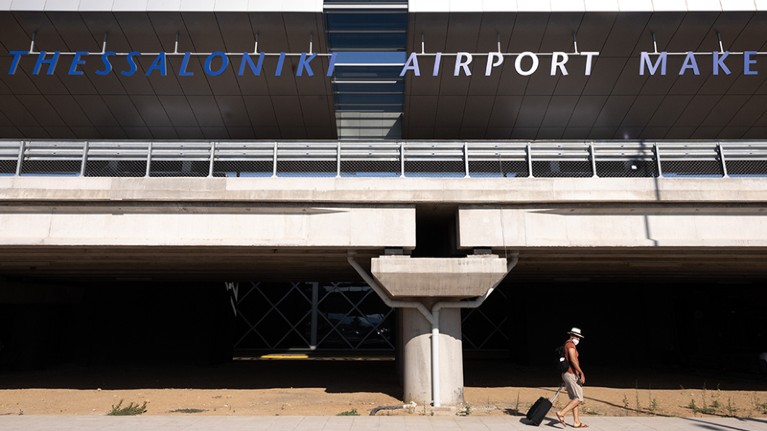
<point>138,334</point>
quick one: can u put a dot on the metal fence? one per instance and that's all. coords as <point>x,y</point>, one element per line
<point>470,159</point>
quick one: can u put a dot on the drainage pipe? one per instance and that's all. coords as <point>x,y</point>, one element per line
<point>381,294</point>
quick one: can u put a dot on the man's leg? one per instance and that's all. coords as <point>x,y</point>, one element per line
<point>572,405</point>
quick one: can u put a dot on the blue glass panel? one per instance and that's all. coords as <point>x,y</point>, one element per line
<point>390,41</point>
<point>369,108</point>
<point>378,72</point>
<point>371,57</point>
<point>366,21</point>
<point>399,87</point>
<point>369,99</point>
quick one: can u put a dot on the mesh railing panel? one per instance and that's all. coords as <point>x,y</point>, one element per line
<point>243,168</point>
<point>115,168</point>
<point>179,168</point>
<point>690,160</point>
<point>563,169</point>
<point>436,168</point>
<point>498,169</point>
<point>62,158</point>
<point>561,159</point>
<point>627,169</point>
<point>306,168</point>
<point>372,168</point>
<point>747,168</point>
<point>9,157</point>
<point>8,167</point>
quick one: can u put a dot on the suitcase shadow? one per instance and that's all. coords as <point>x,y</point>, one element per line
<point>549,422</point>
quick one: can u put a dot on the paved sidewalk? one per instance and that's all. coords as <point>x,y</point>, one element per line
<point>364,423</point>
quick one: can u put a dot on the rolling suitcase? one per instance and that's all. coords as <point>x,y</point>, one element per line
<point>540,408</point>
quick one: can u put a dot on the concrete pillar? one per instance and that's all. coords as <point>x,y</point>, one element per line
<point>434,282</point>
<point>415,332</point>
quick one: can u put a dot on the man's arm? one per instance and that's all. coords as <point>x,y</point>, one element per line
<point>571,356</point>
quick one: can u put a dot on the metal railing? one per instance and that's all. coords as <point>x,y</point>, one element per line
<point>440,159</point>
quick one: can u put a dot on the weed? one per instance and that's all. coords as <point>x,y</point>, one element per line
<point>731,410</point>
<point>653,405</point>
<point>759,405</point>
<point>625,403</point>
<point>187,411</point>
<point>715,405</point>
<point>695,409</point>
<point>129,410</point>
<point>352,412</point>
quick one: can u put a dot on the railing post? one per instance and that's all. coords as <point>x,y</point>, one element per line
<point>657,159</point>
<point>529,150</point>
<point>338,159</point>
<point>21,157</point>
<point>148,159</point>
<point>466,159</point>
<point>593,156</point>
<point>274,161</point>
<point>721,158</point>
<point>212,158</point>
<point>402,160</point>
<point>85,159</point>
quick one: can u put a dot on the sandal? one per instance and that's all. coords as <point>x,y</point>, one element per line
<point>581,425</point>
<point>561,419</point>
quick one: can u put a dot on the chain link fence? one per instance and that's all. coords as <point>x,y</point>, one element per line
<point>424,159</point>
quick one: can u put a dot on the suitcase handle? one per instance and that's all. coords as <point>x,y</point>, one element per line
<point>561,385</point>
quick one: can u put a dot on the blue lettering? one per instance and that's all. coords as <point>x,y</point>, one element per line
<point>411,64</point>
<point>247,61</point>
<point>158,64</point>
<point>645,61</point>
<point>51,62</point>
<point>747,62</point>
<point>719,62</point>
<point>184,65</point>
<point>131,63</point>
<point>689,63</point>
<point>332,65</point>
<point>280,62</point>
<point>76,61</point>
<point>15,62</point>
<point>107,65</point>
<point>303,63</point>
<point>209,59</point>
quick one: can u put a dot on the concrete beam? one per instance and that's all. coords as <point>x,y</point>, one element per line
<point>386,190</point>
<point>670,226</point>
<point>406,277</point>
<point>295,226</point>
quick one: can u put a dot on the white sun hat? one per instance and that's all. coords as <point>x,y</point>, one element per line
<point>576,331</point>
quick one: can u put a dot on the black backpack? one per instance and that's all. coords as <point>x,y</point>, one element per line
<point>562,363</point>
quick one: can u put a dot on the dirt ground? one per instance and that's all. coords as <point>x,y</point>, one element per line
<point>326,388</point>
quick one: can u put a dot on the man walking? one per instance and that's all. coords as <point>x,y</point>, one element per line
<point>573,380</point>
